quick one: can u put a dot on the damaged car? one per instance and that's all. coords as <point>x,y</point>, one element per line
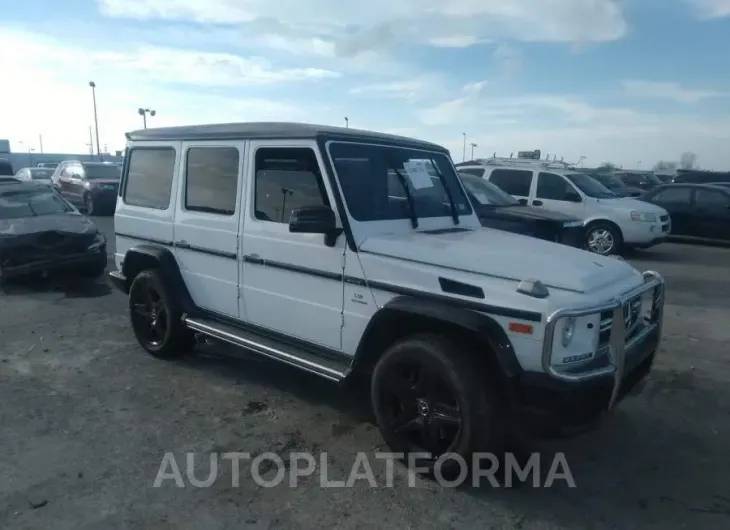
<point>41,233</point>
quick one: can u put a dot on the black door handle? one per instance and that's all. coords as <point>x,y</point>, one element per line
<point>537,203</point>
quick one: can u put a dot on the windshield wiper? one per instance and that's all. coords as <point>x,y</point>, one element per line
<point>452,204</point>
<point>409,196</point>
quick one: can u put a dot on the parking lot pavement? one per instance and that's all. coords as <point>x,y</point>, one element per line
<point>87,417</point>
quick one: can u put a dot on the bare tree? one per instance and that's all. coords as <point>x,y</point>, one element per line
<point>687,160</point>
<point>606,167</point>
<point>664,165</point>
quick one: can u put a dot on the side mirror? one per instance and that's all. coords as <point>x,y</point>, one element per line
<point>313,220</point>
<point>572,196</point>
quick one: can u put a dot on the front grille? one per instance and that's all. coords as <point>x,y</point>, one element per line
<point>664,218</point>
<point>632,312</point>
<point>48,246</point>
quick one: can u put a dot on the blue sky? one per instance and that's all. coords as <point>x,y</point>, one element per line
<point>629,81</point>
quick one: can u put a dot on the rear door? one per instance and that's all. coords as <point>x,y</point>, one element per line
<point>711,218</point>
<point>516,182</point>
<point>206,223</point>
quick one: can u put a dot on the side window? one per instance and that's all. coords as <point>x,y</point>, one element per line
<point>552,187</point>
<point>286,179</point>
<point>476,171</point>
<point>674,195</point>
<point>149,177</point>
<point>513,181</point>
<point>710,199</point>
<point>211,180</point>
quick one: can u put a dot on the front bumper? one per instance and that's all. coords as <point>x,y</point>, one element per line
<point>644,235</point>
<point>68,263</point>
<point>574,399</point>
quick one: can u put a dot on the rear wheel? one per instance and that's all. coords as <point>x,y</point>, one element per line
<point>432,401</point>
<point>156,317</point>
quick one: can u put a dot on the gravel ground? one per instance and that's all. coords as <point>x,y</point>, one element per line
<point>87,417</point>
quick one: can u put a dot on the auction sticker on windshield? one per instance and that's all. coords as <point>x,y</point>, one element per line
<point>418,174</point>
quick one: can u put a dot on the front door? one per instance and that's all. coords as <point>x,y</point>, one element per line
<point>291,282</point>
<point>206,223</point>
<point>554,192</point>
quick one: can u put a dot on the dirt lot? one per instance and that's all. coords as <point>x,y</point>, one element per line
<point>87,417</point>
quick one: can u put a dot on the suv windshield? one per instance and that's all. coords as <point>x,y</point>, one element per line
<point>373,177</point>
<point>102,171</point>
<point>22,202</point>
<point>485,193</point>
<point>590,186</point>
<point>40,173</point>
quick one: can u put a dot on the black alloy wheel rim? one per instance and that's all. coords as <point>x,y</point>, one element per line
<point>420,408</point>
<point>149,315</point>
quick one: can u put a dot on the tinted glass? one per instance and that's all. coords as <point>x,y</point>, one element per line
<point>710,199</point>
<point>486,193</point>
<point>608,180</point>
<point>512,181</point>
<point>40,173</point>
<point>211,179</point>
<point>552,187</point>
<point>149,177</point>
<point>374,180</point>
<point>101,171</point>
<point>286,178</point>
<point>673,195</point>
<point>30,202</point>
<point>590,186</point>
<point>6,169</point>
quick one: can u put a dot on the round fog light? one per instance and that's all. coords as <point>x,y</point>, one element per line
<point>568,330</point>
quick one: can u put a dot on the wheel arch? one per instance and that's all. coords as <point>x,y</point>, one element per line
<point>407,315</point>
<point>150,256</point>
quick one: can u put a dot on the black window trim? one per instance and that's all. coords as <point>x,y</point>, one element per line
<point>125,172</point>
<point>519,170</point>
<point>254,171</point>
<point>239,170</point>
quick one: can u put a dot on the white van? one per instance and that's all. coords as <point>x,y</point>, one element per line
<point>611,222</point>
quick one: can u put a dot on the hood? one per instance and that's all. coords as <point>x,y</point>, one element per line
<point>28,230</point>
<point>630,204</point>
<point>520,212</point>
<point>504,255</point>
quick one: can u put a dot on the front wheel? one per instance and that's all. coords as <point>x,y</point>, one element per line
<point>432,401</point>
<point>156,317</point>
<point>603,238</point>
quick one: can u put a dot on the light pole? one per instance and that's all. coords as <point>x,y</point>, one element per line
<point>463,156</point>
<point>96,118</point>
<point>473,145</point>
<point>40,142</point>
<point>144,112</point>
<point>347,122</point>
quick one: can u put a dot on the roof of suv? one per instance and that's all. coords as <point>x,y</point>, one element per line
<point>270,130</point>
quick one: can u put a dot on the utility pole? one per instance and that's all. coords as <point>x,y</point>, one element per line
<point>144,112</point>
<point>473,145</point>
<point>347,122</point>
<point>463,157</point>
<point>96,118</point>
<point>40,142</point>
<point>91,142</point>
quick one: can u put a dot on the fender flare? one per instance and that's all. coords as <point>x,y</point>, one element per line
<point>148,256</point>
<point>488,330</point>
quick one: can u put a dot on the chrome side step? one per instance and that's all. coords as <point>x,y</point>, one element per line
<point>329,369</point>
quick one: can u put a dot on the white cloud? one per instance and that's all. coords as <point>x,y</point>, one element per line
<point>671,91</point>
<point>708,9</point>
<point>510,57</point>
<point>382,23</point>
<point>407,89</point>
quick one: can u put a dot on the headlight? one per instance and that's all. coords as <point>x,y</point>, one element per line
<point>568,331</point>
<point>643,216</point>
<point>99,241</point>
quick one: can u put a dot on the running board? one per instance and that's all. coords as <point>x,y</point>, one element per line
<point>329,369</point>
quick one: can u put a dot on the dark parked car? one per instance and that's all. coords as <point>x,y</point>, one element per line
<point>695,176</point>
<point>644,180</point>
<point>497,209</point>
<point>89,185</point>
<point>40,232</point>
<point>697,210</point>
<point>615,184</point>
<point>6,168</point>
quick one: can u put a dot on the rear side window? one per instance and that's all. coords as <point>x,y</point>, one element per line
<point>674,196</point>
<point>211,180</point>
<point>513,181</point>
<point>149,178</point>
<point>711,199</point>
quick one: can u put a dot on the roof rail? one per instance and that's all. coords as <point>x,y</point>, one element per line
<point>524,162</point>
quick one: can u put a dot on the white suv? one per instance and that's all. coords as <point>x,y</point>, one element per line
<point>611,222</point>
<point>334,250</point>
